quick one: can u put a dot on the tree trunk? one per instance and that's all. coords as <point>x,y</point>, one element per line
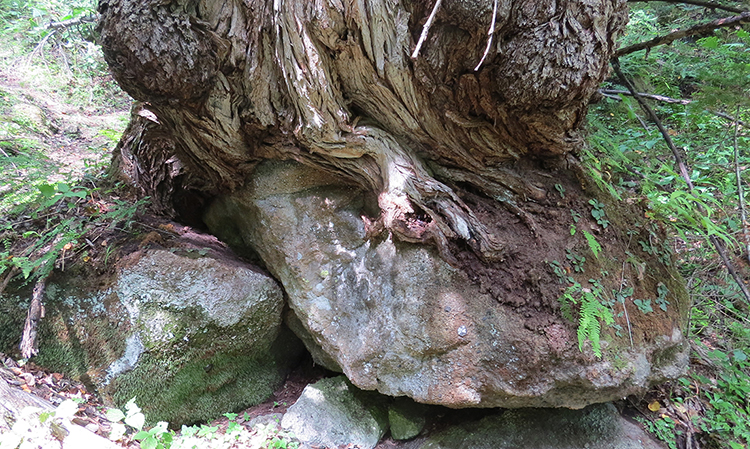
<point>225,84</point>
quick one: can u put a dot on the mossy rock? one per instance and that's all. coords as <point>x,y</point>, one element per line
<point>189,337</point>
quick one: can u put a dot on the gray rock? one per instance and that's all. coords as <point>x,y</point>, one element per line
<point>595,427</point>
<point>406,418</point>
<point>319,356</point>
<point>395,317</point>
<point>190,333</point>
<point>331,413</point>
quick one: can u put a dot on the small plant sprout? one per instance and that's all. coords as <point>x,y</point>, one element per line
<point>598,213</point>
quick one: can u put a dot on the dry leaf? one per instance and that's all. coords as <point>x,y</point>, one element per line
<point>654,406</point>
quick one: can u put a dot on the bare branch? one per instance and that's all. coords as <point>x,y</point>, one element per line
<point>711,5</point>
<point>732,119</point>
<point>426,29</point>
<point>683,172</point>
<point>73,22</point>
<point>610,92</point>
<point>613,94</point>
<point>692,31</point>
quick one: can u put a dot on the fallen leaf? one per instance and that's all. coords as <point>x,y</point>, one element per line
<point>654,406</point>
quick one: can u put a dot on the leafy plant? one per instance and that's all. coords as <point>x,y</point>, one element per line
<point>644,305</point>
<point>591,312</point>
<point>575,260</point>
<point>593,243</point>
<point>598,213</point>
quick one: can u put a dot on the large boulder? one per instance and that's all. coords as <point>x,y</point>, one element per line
<point>191,332</point>
<point>397,318</point>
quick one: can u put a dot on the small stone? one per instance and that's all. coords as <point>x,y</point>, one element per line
<point>462,331</point>
<point>407,418</point>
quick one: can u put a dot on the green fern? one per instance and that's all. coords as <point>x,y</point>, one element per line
<point>590,314</point>
<point>593,243</point>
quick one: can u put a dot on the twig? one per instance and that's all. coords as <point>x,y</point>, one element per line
<point>645,95</point>
<point>711,5</point>
<point>613,94</point>
<point>29,344</point>
<point>698,29</point>
<point>732,119</point>
<point>11,162</point>
<point>490,34</point>
<point>627,318</point>
<point>426,29</point>
<point>73,22</point>
<point>39,46</point>
<point>683,172</point>
<point>740,193</point>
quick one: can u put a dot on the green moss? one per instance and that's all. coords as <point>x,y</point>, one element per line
<point>186,390</point>
<point>12,316</point>
<point>200,390</point>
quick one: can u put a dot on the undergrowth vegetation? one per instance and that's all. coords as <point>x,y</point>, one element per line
<point>700,88</point>
<point>60,116</point>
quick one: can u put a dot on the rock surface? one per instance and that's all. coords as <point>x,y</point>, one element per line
<point>332,413</point>
<point>190,332</point>
<point>595,427</point>
<point>397,318</point>
<point>407,418</point>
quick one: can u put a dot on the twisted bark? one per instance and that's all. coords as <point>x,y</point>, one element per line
<point>332,84</point>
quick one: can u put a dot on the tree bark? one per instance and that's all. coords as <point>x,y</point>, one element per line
<point>330,83</point>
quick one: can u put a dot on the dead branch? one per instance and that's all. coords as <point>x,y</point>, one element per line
<point>683,172</point>
<point>679,34</point>
<point>426,29</point>
<point>711,5</point>
<point>29,344</point>
<point>613,94</point>
<point>662,98</point>
<point>93,18</point>
<point>740,193</point>
<point>732,119</point>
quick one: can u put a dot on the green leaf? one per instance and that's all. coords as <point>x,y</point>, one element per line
<point>115,414</point>
<point>142,435</point>
<point>149,443</point>
<point>136,421</point>
<point>47,190</point>
<point>131,408</point>
<point>593,244</point>
<point>190,431</point>
<point>711,42</point>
